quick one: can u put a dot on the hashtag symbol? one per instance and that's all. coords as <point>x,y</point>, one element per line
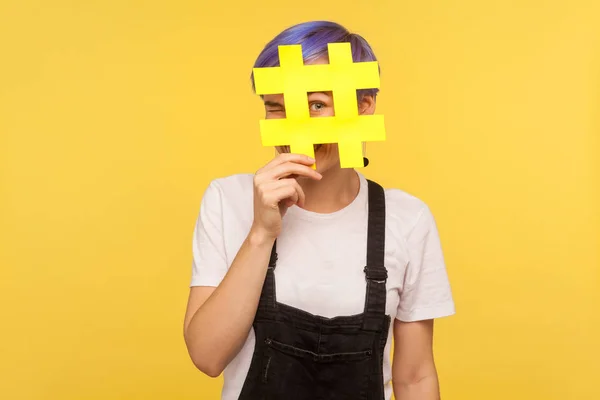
<point>341,76</point>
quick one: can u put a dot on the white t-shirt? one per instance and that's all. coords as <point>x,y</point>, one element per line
<point>321,258</point>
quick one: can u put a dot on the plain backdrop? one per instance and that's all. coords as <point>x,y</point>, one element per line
<point>115,116</point>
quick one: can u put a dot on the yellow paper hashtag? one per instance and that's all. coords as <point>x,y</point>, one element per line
<point>343,78</point>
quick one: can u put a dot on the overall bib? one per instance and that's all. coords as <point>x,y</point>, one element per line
<point>301,356</point>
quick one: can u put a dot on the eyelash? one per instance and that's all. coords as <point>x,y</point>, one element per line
<point>323,105</point>
<point>317,102</point>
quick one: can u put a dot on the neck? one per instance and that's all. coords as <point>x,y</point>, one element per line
<point>336,190</point>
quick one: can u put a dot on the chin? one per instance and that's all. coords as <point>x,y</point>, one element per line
<point>326,156</point>
<point>326,164</point>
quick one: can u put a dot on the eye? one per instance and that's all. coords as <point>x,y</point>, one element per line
<point>317,106</point>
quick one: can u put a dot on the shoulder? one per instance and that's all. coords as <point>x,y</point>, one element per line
<point>405,211</point>
<point>233,183</point>
<point>404,206</point>
<point>229,190</point>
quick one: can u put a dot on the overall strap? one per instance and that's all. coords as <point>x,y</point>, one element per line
<point>267,302</point>
<point>375,271</point>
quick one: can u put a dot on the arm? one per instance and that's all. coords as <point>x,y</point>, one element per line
<point>218,319</point>
<point>414,375</point>
<point>426,295</point>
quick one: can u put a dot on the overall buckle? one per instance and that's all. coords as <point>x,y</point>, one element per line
<point>378,275</point>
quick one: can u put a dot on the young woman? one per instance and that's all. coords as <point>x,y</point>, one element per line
<point>302,276</point>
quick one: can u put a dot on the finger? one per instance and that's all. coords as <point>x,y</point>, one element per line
<point>291,168</point>
<point>282,195</point>
<point>299,159</point>
<point>288,157</point>
<point>272,190</point>
<point>288,203</point>
<point>300,191</point>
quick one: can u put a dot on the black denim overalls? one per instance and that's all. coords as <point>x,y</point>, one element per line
<point>300,356</point>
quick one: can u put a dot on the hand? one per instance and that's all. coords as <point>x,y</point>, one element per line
<point>276,189</point>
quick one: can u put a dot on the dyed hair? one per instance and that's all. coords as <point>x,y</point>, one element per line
<point>314,36</point>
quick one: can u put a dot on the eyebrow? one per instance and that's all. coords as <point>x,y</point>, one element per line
<point>273,104</point>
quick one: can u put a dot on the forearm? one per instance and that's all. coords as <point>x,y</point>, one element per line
<point>220,326</point>
<point>423,388</point>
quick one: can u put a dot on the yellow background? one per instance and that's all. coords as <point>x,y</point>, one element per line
<point>114,117</point>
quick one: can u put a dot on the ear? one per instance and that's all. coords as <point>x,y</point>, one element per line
<point>366,105</point>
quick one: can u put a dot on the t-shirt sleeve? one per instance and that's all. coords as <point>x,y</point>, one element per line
<point>426,292</point>
<point>209,264</point>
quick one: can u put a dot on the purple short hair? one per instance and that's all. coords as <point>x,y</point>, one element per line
<point>314,36</point>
